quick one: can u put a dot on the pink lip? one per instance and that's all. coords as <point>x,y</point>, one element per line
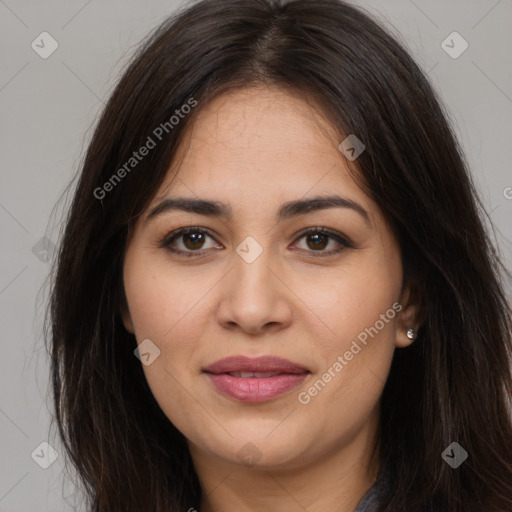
<point>255,389</point>
<point>254,364</point>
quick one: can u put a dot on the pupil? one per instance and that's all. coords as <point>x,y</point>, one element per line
<point>318,238</point>
<point>197,239</point>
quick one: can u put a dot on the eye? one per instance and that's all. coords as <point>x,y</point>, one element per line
<point>317,239</point>
<point>190,241</point>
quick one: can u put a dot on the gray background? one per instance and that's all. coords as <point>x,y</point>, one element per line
<point>48,107</point>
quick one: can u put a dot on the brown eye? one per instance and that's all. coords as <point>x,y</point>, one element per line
<point>187,241</point>
<point>193,240</point>
<point>318,241</point>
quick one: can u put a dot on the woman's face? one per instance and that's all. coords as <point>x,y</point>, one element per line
<point>247,283</point>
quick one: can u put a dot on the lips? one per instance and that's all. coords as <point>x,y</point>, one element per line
<point>255,364</point>
<point>259,375</point>
<point>255,379</point>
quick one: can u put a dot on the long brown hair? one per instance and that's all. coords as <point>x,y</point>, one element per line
<point>453,384</point>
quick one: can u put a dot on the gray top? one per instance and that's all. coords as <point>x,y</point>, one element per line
<point>373,497</point>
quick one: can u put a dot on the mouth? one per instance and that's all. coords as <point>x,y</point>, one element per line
<point>258,379</point>
<point>259,375</point>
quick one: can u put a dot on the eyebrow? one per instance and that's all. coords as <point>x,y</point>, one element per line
<point>286,211</point>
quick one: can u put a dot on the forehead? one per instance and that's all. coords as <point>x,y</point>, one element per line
<point>260,144</point>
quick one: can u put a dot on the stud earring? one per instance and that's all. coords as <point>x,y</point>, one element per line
<point>411,333</point>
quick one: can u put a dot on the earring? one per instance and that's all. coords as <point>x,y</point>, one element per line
<point>411,333</point>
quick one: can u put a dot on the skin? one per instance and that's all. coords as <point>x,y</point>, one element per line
<point>256,149</point>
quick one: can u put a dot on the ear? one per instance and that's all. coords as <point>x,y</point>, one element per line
<point>408,317</point>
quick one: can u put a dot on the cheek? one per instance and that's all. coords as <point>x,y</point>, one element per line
<point>355,337</point>
<point>349,301</point>
<point>171,308</point>
<point>166,308</point>
<point>159,297</point>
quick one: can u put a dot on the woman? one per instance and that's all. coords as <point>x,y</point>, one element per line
<point>274,289</point>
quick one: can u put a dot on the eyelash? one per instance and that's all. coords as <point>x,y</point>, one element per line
<point>168,239</point>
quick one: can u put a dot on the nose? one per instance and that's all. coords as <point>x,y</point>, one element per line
<point>254,298</point>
